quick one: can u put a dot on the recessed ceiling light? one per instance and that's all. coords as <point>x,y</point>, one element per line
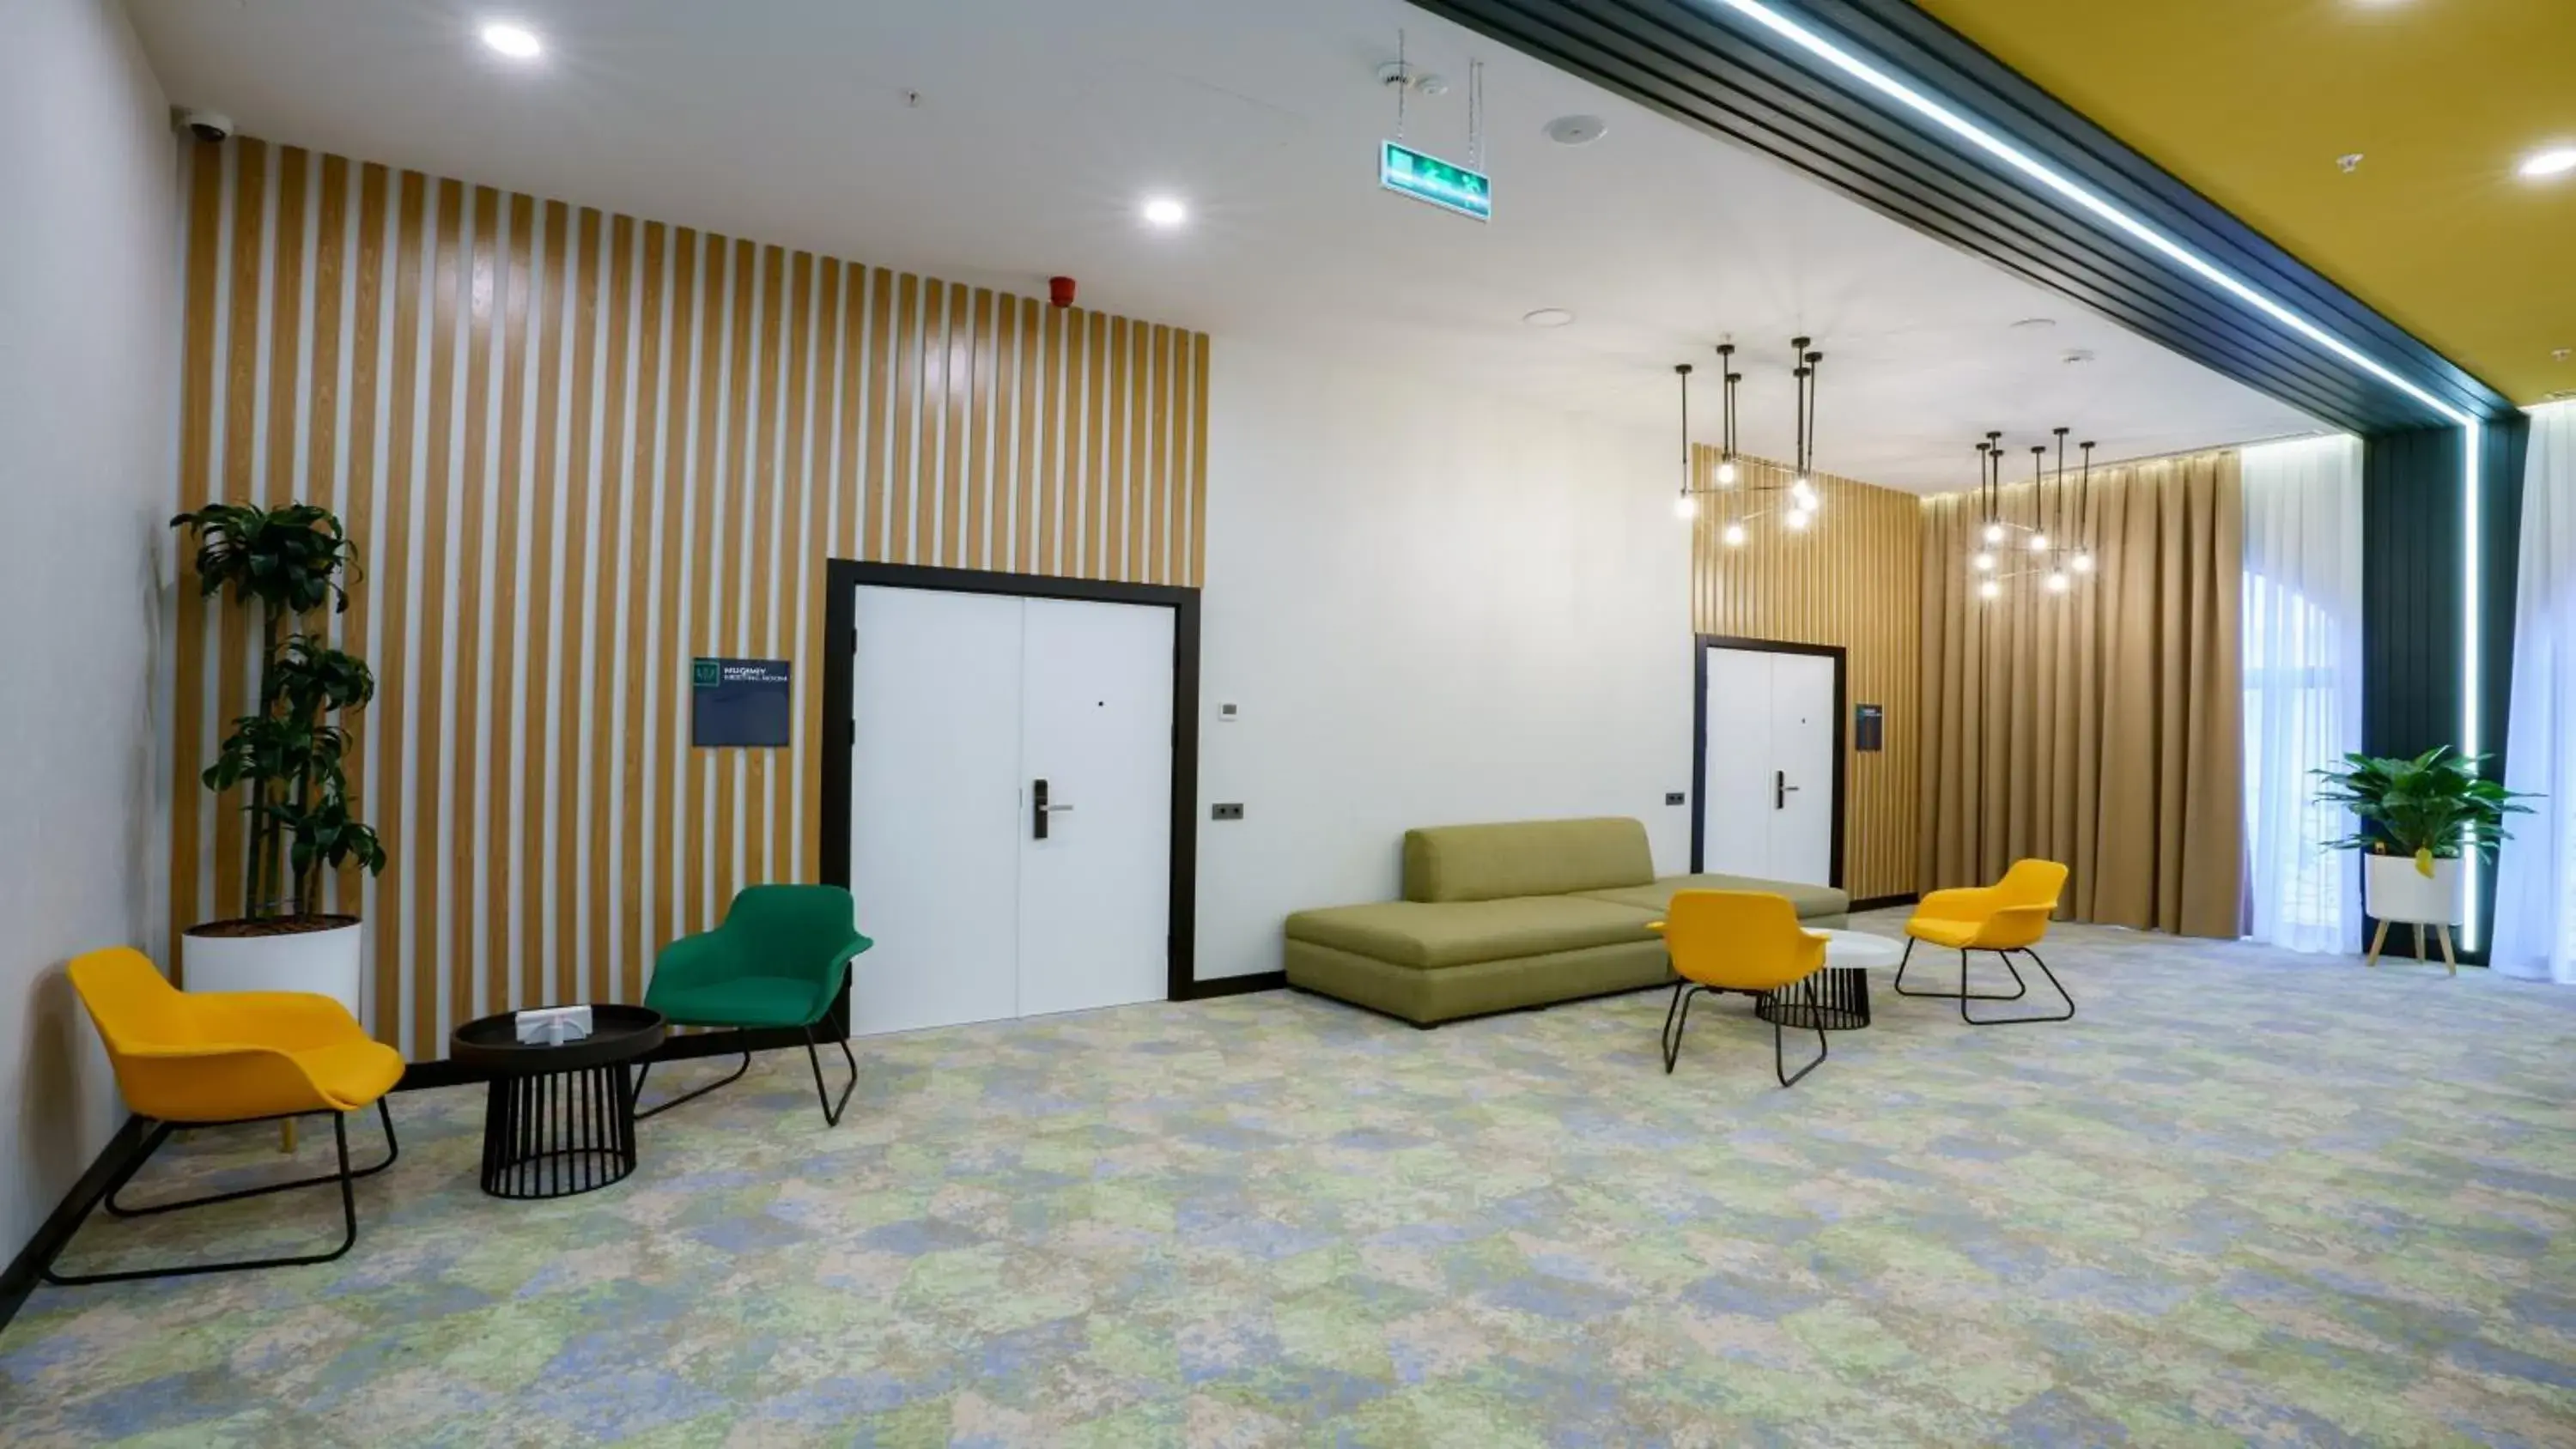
<point>1548,317</point>
<point>1576,130</point>
<point>515,41</point>
<point>1164,211</point>
<point>2034,324</point>
<point>2540,165</point>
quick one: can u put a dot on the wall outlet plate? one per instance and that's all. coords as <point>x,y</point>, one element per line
<point>1228,811</point>
<point>1675,797</point>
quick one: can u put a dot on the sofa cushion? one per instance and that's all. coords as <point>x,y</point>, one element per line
<point>1809,901</point>
<point>1456,933</point>
<point>1524,858</point>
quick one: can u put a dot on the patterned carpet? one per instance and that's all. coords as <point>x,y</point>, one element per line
<point>2243,1198</point>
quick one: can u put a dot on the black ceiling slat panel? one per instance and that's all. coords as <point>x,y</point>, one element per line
<point>2113,167</point>
<point>2201,327</point>
<point>1794,88</point>
<point>1705,31</point>
<point>1683,59</point>
<point>2332,392</point>
<point>2186,321</point>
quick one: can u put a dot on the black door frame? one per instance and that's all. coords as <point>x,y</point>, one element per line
<point>843,577</point>
<point>1700,645</point>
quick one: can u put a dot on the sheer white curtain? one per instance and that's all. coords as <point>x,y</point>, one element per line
<point>2302,663</point>
<point>2535,927</point>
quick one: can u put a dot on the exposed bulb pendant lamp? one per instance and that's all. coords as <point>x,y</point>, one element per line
<point>1686,504</point>
<point>1805,500</point>
<point>2054,538</point>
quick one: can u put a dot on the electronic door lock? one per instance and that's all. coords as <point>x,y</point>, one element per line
<point>1040,810</point>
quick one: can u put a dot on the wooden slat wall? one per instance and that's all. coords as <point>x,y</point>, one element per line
<point>1853,580</point>
<point>575,450</point>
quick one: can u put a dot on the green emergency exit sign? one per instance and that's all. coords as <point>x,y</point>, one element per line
<point>1425,177</point>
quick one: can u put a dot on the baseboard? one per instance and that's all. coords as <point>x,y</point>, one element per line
<point>1881,903</point>
<point>53,1235</point>
<point>1234,986</point>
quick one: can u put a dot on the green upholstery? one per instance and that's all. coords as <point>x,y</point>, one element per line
<point>1499,917</point>
<point>1525,858</point>
<point>1817,906</point>
<point>777,961</point>
<point>1454,933</point>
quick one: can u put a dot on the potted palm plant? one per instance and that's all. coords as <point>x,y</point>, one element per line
<point>2417,818</point>
<point>285,759</point>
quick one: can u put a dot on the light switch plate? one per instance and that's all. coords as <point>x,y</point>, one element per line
<point>1228,811</point>
<point>1675,797</point>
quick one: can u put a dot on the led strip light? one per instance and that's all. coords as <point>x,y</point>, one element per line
<point>2049,177</point>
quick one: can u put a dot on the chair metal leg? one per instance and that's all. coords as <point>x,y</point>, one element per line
<point>1815,1013</point>
<point>1950,995</point>
<point>393,1151</point>
<point>1683,991</point>
<point>2067,1015</point>
<point>690,1096</point>
<point>831,1109</point>
<point>348,1213</point>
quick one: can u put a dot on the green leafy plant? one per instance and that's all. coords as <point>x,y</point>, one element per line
<point>2433,807</point>
<point>288,562</point>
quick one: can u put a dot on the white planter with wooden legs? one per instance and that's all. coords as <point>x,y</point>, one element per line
<point>2394,892</point>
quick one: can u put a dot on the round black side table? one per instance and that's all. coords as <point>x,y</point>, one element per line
<point>560,1119</point>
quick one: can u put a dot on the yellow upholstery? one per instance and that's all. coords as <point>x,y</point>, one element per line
<point>1739,940</point>
<point>227,1056</point>
<point>2009,915</point>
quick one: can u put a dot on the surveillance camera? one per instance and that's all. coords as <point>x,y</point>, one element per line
<point>207,125</point>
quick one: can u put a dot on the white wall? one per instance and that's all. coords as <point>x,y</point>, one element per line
<point>89,334</point>
<point>1432,608</point>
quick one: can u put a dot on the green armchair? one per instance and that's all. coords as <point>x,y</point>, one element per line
<point>778,961</point>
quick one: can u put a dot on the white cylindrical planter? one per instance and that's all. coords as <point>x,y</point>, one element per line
<point>323,961</point>
<point>2392,889</point>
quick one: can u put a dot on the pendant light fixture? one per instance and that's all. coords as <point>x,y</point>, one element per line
<point>2054,547</point>
<point>1804,500</point>
<point>1686,505</point>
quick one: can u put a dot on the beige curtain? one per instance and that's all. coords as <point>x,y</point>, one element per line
<point>2101,727</point>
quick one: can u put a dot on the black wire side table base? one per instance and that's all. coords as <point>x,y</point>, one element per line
<point>1841,1002</point>
<point>558,1134</point>
<point>559,1118</point>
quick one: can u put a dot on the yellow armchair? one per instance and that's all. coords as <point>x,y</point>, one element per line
<point>1737,941</point>
<point>2009,917</point>
<point>220,1057</point>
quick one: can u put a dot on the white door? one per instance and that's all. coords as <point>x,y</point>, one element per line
<point>1096,726</point>
<point>935,807</point>
<point>1802,759</point>
<point>1767,784</point>
<point>962,703</point>
<point>1735,786</point>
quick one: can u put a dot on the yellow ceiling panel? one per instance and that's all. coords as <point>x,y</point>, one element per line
<point>2254,102</point>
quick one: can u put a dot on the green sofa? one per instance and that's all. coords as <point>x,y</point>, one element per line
<point>1501,917</point>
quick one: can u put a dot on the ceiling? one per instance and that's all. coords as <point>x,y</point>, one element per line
<point>2253,101</point>
<point>1001,141</point>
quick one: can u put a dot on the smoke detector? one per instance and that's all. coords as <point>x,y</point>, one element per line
<point>1576,130</point>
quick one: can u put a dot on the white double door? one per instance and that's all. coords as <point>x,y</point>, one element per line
<point>966,707</point>
<point>1766,792</point>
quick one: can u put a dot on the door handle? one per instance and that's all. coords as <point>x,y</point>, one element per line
<point>1039,810</point>
<point>1780,788</point>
